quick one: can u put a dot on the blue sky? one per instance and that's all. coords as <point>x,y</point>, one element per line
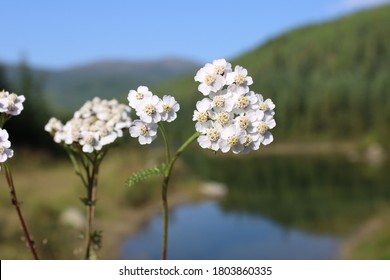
<point>60,34</point>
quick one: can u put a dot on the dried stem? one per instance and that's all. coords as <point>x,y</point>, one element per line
<point>16,203</point>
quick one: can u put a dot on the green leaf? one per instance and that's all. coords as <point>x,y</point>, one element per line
<point>144,174</point>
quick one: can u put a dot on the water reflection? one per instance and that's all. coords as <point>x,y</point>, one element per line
<point>204,231</point>
<point>324,195</point>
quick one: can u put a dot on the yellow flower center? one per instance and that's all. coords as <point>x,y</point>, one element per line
<point>88,139</point>
<point>209,79</point>
<point>262,128</point>
<point>149,109</point>
<point>263,106</point>
<point>103,131</point>
<point>202,117</point>
<point>12,97</point>
<point>213,134</point>
<point>144,130</point>
<point>219,70</point>
<point>243,122</point>
<point>242,102</point>
<point>232,140</point>
<point>239,79</point>
<point>218,101</point>
<point>223,118</point>
<point>248,141</point>
<point>166,108</point>
<point>139,96</point>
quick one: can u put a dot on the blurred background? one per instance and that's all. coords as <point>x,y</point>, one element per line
<point>320,191</point>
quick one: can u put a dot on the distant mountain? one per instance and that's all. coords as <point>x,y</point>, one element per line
<point>328,80</point>
<point>68,89</point>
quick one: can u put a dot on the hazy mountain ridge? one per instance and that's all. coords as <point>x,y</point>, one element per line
<point>66,89</point>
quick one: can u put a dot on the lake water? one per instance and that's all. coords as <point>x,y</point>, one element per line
<point>275,208</point>
<point>204,231</point>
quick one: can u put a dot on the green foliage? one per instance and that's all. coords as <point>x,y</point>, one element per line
<point>27,128</point>
<point>3,78</point>
<point>328,81</point>
<point>144,174</point>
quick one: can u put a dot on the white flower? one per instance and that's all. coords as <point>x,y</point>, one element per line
<point>251,143</point>
<point>221,67</point>
<point>146,132</point>
<point>136,97</point>
<point>224,118</point>
<point>169,108</point>
<point>239,81</point>
<point>53,126</point>
<point>90,141</point>
<point>11,104</point>
<point>232,117</point>
<point>232,138</point>
<point>245,120</point>
<point>210,81</point>
<point>3,101</point>
<point>245,102</point>
<point>267,106</point>
<point>107,135</point>
<point>211,138</point>
<point>72,131</point>
<point>3,136</point>
<point>201,114</point>
<point>148,110</point>
<point>262,127</point>
<point>96,124</point>
<point>5,145</point>
<point>222,101</point>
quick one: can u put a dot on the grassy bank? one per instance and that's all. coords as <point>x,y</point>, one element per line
<point>371,241</point>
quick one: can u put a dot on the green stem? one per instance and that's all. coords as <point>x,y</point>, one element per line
<point>89,177</point>
<point>166,144</point>
<point>167,176</point>
<point>165,217</point>
<point>91,203</point>
<point>16,203</point>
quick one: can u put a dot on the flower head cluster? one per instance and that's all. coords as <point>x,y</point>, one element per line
<point>11,105</point>
<point>96,124</point>
<point>151,110</point>
<point>231,116</point>
<point>5,145</point>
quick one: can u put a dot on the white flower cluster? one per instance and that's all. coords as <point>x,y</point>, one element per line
<point>11,105</point>
<point>151,110</point>
<point>231,117</point>
<point>5,145</point>
<point>96,124</point>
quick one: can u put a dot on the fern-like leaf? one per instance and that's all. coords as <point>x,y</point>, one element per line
<point>144,174</point>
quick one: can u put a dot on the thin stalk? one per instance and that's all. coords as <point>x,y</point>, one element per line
<point>167,176</point>
<point>16,203</point>
<point>91,200</point>
<point>166,143</point>
<point>92,172</point>
<point>75,165</point>
<point>165,218</point>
